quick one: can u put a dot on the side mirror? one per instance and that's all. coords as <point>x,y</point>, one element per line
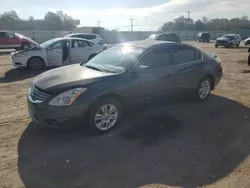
<point>141,69</point>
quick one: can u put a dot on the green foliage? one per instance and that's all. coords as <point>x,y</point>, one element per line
<point>52,21</point>
<point>182,23</point>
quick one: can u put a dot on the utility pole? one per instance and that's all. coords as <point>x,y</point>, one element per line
<point>131,24</point>
<point>98,23</point>
<point>188,12</point>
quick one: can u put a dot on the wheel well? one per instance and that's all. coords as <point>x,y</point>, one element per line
<point>36,57</point>
<point>212,79</point>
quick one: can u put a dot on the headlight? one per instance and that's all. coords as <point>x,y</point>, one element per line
<point>20,54</point>
<point>67,98</point>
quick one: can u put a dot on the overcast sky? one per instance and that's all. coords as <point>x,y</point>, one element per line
<point>114,14</point>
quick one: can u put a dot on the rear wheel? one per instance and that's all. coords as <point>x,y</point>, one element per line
<point>238,45</point>
<point>104,115</point>
<point>35,63</point>
<point>216,45</point>
<point>204,89</point>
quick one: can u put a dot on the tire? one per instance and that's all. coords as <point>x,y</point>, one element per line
<point>238,45</point>
<point>91,56</point>
<point>100,124</point>
<point>35,63</point>
<point>216,45</point>
<point>25,46</point>
<point>204,89</point>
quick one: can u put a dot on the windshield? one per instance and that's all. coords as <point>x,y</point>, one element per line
<point>19,35</point>
<point>228,37</point>
<point>115,59</point>
<point>47,43</point>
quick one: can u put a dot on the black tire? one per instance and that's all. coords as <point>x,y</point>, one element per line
<point>25,46</point>
<point>94,111</point>
<point>216,45</point>
<point>91,56</point>
<point>204,96</point>
<point>238,45</point>
<point>35,63</point>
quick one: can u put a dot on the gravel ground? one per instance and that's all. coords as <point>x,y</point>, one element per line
<point>187,144</point>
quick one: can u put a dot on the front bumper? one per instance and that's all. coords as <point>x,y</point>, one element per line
<point>18,61</point>
<point>223,43</point>
<point>60,117</point>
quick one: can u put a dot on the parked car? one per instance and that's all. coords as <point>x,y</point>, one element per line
<point>96,38</point>
<point>9,40</point>
<point>122,74</point>
<point>203,37</point>
<point>228,40</point>
<point>56,52</point>
<point>247,41</point>
<point>173,37</point>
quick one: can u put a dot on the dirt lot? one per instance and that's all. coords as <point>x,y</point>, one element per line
<point>187,144</point>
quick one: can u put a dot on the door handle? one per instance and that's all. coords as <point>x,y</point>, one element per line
<point>167,76</point>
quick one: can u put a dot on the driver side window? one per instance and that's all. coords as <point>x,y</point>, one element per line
<point>157,58</point>
<point>9,35</point>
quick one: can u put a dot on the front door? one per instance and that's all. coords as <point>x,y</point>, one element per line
<point>80,51</point>
<point>152,75</point>
<point>58,53</point>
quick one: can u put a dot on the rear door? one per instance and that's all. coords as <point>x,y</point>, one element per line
<point>188,65</point>
<point>80,51</point>
<point>153,74</point>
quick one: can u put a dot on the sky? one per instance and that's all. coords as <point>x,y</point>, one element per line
<point>116,14</point>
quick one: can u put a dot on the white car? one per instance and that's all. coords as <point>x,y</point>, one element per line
<point>96,38</point>
<point>247,41</point>
<point>56,52</point>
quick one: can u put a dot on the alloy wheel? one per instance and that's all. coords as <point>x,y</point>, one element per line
<point>106,117</point>
<point>204,89</point>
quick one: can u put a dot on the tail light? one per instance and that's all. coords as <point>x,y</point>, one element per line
<point>218,69</point>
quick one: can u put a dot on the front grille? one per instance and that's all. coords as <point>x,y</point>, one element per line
<point>222,42</point>
<point>37,95</point>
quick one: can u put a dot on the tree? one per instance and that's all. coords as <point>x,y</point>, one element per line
<point>199,25</point>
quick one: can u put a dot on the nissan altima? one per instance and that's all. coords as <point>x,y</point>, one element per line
<point>95,93</point>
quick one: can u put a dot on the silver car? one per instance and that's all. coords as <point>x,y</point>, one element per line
<point>56,52</point>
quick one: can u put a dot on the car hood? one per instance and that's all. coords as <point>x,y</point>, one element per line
<point>71,76</point>
<point>223,39</point>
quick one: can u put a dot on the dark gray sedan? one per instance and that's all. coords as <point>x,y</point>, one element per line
<point>122,74</point>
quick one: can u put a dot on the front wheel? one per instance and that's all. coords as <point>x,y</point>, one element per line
<point>204,89</point>
<point>104,115</point>
<point>216,45</point>
<point>35,63</point>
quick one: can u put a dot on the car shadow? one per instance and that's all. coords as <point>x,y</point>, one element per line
<point>187,144</point>
<point>17,74</point>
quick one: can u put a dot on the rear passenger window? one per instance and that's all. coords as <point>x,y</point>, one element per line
<point>89,37</point>
<point>183,55</point>
<point>156,58</point>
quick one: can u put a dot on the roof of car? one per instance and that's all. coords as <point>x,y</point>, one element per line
<point>147,43</point>
<point>81,34</point>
